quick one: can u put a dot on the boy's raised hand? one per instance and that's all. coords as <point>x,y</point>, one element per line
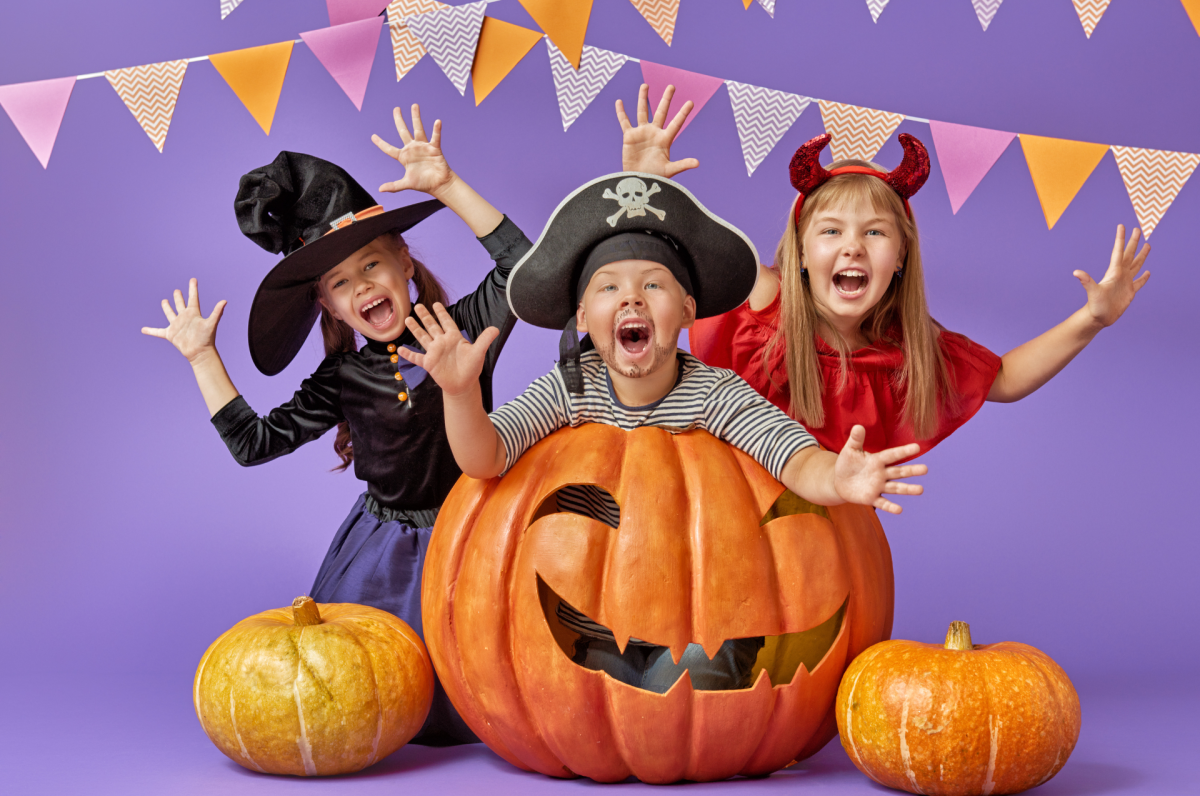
<point>452,361</point>
<point>861,477</point>
<point>1109,299</point>
<point>188,330</point>
<point>647,147</point>
<point>425,169</point>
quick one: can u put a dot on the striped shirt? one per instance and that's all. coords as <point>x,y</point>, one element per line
<point>710,399</point>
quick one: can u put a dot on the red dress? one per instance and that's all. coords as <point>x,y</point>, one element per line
<point>870,398</point>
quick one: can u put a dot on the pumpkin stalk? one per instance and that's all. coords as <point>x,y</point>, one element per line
<point>305,612</point>
<point>958,637</point>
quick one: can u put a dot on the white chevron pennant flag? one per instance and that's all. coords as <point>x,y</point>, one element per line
<point>857,132</point>
<point>227,7</point>
<point>876,8</point>
<point>450,35</point>
<point>150,92</point>
<point>762,115</point>
<point>407,49</point>
<point>986,11</point>
<point>1153,178</point>
<point>768,6</point>
<point>1089,12</point>
<point>576,89</point>
<point>661,14</point>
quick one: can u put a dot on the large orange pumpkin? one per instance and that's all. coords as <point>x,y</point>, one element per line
<point>958,718</point>
<point>709,547</point>
<point>314,690</point>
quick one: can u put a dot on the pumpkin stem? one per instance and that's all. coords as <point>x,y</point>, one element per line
<point>305,612</point>
<point>958,637</point>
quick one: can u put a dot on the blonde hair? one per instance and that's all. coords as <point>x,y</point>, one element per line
<point>338,336</point>
<point>924,376</point>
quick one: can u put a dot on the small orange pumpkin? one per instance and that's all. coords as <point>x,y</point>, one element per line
<point>957,719</point>
<point>709,547</point>
<point>314,690</point>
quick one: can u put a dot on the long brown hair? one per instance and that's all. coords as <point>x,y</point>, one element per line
<point>338,335</point>
<point>924,377</point>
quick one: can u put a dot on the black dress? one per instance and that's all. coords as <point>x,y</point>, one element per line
<point>397,427</point>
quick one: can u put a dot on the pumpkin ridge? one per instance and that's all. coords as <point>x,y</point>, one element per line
<point>302,742</point>
<point>370,659</point>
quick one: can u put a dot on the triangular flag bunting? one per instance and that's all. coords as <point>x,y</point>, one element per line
<point>768,6</point>
<point>576,88</point>
<point>150,91</point>
<point>1153,178</point>
<point>986,11</point>
<point>37,110</point>
<point>1089,12</point>
<point>1059,169</point>
<point>450,35</point>
<point>347,52</point>
<point>857,132</point>
<point>501,47</point>
<point>1192,7</point>
<point>661,14</point>
<point>762,115</point>
<point>564,21</point>
<point>966,154</point>
<point>343,11</point>
<point>688,86</point>
<point>227,7</point>
<point>256,76</point>
<point>876,8</point>
<point>407,49</point>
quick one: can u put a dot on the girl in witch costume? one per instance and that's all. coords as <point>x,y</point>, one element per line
<point>346,260</point>
<point>838,332</point>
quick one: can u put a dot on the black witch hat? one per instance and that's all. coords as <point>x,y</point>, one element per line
<point>316,215</point>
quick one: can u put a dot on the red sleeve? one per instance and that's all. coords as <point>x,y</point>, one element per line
<point>736,341</point>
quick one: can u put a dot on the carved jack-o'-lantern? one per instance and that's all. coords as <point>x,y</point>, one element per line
<point>706,550</point>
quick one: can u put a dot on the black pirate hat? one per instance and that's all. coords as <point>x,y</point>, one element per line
<point>316,215</point>
<point>720,261</point>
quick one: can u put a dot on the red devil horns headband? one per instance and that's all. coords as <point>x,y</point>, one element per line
<point>808,174</point>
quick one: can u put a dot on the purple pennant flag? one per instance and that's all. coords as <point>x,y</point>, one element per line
<point>37,110</point>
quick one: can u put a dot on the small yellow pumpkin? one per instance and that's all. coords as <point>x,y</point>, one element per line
<point>958,718</point>
<point>314,690</point>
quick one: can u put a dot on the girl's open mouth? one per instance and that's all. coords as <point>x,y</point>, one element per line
<point>378,312</point>
<point>851,283</point>
<point>634,335</point>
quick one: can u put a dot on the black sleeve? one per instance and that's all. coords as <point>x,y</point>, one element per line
<point>313,410</point>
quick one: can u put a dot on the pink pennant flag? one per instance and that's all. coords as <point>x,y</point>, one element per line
<point>966,154</point>
<point>1153,178</point>
<point>37,110</point>
<point>688,86</point>
<point>857,132</point>
<point>343,11</point>
<point>348,52</point>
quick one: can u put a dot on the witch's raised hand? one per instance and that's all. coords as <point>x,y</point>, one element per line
<point>450,359</point>
<point>1109,299</point>
<point>188,330</point>
<point>425,168</point>
<point>647,147</point>
<point>861,477</point>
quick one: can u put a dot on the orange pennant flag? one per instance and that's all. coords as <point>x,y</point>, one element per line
<point>1192,7</point>
<point>256,76</point>
<point>565,22</point>
<point>1059,169</point>
<point>501,46</point>
<point>661,15</point>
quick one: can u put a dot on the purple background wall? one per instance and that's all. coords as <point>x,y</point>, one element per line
<point>130,539</point>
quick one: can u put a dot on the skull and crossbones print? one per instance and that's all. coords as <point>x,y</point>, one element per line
<point>634,199</point>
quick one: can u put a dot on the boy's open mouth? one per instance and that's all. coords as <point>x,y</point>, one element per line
<point>851,283</point>
<point>634,335</point>
<point>378,312</point>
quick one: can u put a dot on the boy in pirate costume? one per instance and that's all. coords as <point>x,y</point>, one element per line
<point>631,259</point>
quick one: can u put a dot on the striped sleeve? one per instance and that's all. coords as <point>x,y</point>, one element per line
<point>736,414</point>
<point>534,414</point>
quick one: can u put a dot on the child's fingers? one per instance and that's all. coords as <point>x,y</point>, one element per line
<point>487,337</point>
<point>905,471</point>
<point>437,134</point>
<point>432,328</point>
<point>447,322</point>
<point>412,356</point>
<point>622,117</point>
<point>401,127</point>
<point>167,311</point>
<point>643,115</point>
<point>215,316</point>
<point>901,488</point>
<point>1131,246</point>
<point>418,128</point>
<point>664,105</point>
<point>180,307</point>
<point>193,294</point>
<point>418,332</point>
<point>676,124</point>
<point>896,454</point>
<point>1140,281</point>
<point>388,149</point>
<point>676,166</point>
<point>1140,259</point>
<point>154,332</point>
<point>1085,279</point>
<point>884,504</point>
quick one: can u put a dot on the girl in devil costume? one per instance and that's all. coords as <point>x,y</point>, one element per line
<point>838,332</point>
<point>347,261</point>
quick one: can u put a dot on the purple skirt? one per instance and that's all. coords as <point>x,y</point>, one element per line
<point>378,562</point>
